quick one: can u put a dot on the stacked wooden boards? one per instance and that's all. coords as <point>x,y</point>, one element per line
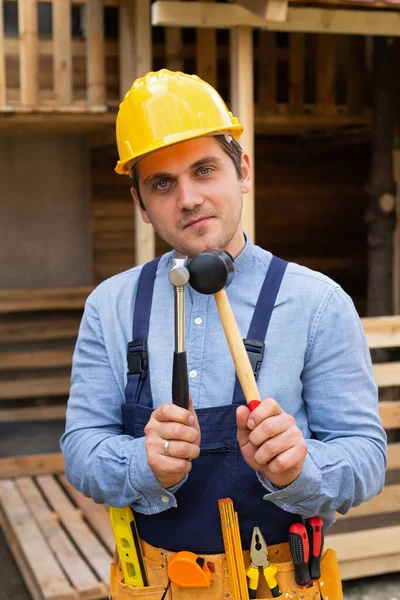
<point>61,541</point>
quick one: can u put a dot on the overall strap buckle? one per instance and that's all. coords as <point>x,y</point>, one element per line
<point>137,358</point>
<point>255,352</point>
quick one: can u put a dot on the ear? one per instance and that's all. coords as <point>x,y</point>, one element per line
<point>246,180</point>
<point>143,213</point>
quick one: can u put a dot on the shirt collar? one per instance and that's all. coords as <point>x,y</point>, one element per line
<point>242,261</point>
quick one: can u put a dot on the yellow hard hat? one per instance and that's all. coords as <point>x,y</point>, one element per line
<point>167,107</point>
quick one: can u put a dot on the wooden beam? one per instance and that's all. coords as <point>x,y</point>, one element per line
<point>242,106</point>
<point>136,61</point>
<point>297,59</point>
<point>382,332</point>
<point>3,88</point>
<point>366,552</point>
<point>276,10</point>
<point>311,20</point>
<point>95,67</point>
<point>326,74</point>
<point>43,299</point>
<point>206,55</point>
<point>34,464</point>
<point>356,78</point>
<point>28,42</point>
<point>389,412</point>
<point>174,48</point>
<point>62,54</point>
<point>33,413</point>
<point>267,72</point>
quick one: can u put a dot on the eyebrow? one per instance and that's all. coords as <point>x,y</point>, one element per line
<point>165,175</point>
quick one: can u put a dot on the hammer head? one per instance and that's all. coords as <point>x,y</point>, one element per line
<point>179,274</point>
<point>211,271</point>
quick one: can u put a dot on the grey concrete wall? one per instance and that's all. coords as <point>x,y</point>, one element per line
<point>45,237</point>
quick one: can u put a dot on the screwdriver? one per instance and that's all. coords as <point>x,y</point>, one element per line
<point>300,550</point>
<point>315,531</point>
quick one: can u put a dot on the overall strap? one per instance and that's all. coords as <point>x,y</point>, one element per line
<point>254,342</point>
<point>137,349</point>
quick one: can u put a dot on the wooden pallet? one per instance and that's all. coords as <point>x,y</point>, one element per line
<point>61,541</point>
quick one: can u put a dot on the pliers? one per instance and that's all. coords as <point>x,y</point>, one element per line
<point>259,558</point>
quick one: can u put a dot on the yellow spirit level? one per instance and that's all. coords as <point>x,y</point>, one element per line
<point>128,546</point>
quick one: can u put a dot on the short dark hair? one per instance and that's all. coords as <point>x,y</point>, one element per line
<point>230,146</point>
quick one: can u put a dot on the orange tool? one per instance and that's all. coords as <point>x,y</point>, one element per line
<point>188,570</point>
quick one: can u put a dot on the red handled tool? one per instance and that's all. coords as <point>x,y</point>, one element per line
<point>315,531</point>
<point>300,550</point>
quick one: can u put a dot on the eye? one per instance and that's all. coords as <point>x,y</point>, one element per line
<point>205,171</point>
<point>161,185</point>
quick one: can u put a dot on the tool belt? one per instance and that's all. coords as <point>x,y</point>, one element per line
<point>156,561</point>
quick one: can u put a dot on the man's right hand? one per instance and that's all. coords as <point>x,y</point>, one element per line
<point>180,428</point>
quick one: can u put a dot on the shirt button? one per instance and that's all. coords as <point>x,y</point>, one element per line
<point>198,321</point>
<point>164,499</point>
<point>193,374</point>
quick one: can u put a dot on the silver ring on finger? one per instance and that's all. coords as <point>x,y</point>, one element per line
<point>166,444</point>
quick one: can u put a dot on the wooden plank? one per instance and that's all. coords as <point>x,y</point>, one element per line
<point>267,72</point>
<point>393,456</point>
<point>390,414</point>
<point>356,76</point>
<point>174,49</point>
<point>206,55</point>
<point>369,543</point>
<point>387,374</point>
<point>96,514</point>
<point>3,84</point>
<point>326,74</point>
<point>62,54</point>
<point>35,464</point>
<point>43,299</point>
<point>35,388</point>
<point>67,555</point>
<point>35,413</point>
<point>382,332</point>
<point>40,359</point>
<point>28,53</point>
<point>354,569</point>
<point>242,106</point>
<point>388,501</point>
<point>136,61</point>
<point>22,331</point>
<point>95,65</point>
<point>34,553</point>
<point>72,519</point>
<point>297,58</point>
<point>311,20</point>
<point>276,10</point>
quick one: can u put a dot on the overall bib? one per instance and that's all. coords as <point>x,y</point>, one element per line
<point>220,470</point>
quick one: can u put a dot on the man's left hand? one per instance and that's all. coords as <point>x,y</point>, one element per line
<point>271,442</point>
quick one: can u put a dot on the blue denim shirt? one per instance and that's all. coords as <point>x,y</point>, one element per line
<point>316,365</point>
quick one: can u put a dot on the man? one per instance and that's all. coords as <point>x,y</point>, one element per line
<point>314,446</point>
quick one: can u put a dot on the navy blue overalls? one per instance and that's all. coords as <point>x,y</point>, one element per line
<point>219,471</point>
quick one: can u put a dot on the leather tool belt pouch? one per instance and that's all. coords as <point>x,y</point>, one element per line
<point>156,561</point>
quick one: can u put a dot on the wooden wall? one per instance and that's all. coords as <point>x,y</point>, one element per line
<point>310,201</point>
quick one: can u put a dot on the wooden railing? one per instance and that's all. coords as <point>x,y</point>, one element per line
<point>54,69</point>
<point>301,79</point>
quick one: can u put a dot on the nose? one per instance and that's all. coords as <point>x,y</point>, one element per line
<point>189,196</point>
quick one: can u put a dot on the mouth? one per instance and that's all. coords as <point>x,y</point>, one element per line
<point>196,222</point>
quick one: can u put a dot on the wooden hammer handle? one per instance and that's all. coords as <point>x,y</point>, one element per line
<point>240,358</point>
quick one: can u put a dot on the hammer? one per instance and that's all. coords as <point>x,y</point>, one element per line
<point>210,272</point>
<point>179,276</point>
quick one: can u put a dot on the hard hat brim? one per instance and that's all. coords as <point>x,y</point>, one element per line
<point>122,168</point>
